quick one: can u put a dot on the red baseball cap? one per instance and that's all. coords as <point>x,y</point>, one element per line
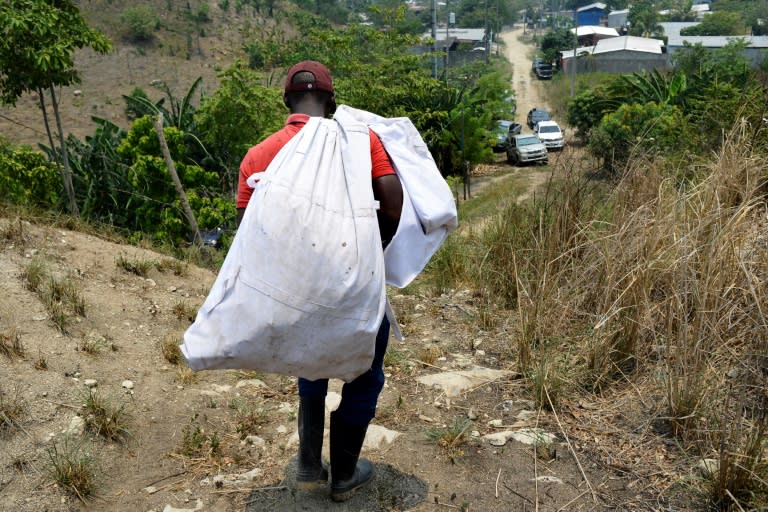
<point>322,77</point>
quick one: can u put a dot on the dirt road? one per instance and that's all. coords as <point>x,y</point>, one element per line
<point>529,91</point>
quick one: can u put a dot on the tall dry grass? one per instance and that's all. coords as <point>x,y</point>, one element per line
<point>663,278</point>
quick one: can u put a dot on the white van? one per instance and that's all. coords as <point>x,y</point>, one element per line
<point>550,134</point>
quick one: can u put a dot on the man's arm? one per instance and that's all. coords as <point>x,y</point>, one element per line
<point>388,191</point>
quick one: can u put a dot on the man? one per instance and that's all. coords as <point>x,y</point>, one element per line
<point>309,92</point>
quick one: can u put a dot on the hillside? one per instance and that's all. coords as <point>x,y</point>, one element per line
<point>180,51</point>
<point>223,440</point>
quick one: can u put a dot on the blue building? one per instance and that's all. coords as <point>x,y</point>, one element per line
<point>592,14</point>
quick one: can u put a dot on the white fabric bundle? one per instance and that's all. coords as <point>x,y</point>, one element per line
<point>302,289</point>
<point>429,209</point>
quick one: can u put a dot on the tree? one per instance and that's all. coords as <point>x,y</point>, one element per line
<point>719,23</point>
<point>38,40</point>
<point>239,114</point>
<point>644,19</point>
<point>554,41</point>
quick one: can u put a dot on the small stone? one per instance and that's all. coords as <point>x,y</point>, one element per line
<point>90,383</point>
<point>255,440</point>
<point>495,423</point>
<point>172,289</point>
<point>471,414</point>
<point>708,467</point>
<point>127,384</point>
<point>151,282</point>
<point>426,418</point>
<point>76,427</point>
<point>281,429</point>
<point>480,353</point>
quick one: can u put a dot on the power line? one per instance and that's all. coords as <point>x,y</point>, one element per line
<point>22,124</point>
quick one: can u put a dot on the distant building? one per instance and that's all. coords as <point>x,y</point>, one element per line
<point>592,14</point>
<point>618,19</point>
<point>589,35</point>
<point>755,52</point>
<point>623,54</point>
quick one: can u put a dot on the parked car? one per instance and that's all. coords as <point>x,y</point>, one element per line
<point>500,135</point>
<point>526,148</point>
<point>535,115</point>
<point>537,61</point>
<point>544,71</point>
<point>550,134</point>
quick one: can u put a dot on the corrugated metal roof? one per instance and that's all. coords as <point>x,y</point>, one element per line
<point>588,30</point>
<point>672,31</point>
<point>615,44</point>
<point>596,5</point>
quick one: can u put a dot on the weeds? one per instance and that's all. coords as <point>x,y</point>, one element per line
<point>183,311</point>
<point>12,409</point>
<point>177,267</point>
<point>249,418</point>
<point>13,233</point>
<point>61,296</point>
<point>73,468</point>
<point>169,346</point>
<point>105,419</point>
<point>11,345</point>
<point>41,363</point>
<point>137,266</point>
<point>185,376</point>
<point>451,438</point>
<point>195,442</point>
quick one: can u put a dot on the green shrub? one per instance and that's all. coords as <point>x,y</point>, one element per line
<point>140,21</point>
<point>28,177</point>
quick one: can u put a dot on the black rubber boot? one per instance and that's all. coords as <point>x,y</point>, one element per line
<point>348,471</point>
<point>310,472</point>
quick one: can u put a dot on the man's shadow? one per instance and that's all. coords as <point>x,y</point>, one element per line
<point>389,490</point>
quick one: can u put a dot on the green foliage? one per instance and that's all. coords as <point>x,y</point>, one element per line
<point>239,114</point>
<point>155,208</point>
<point>586,109</point>
<point>141,22</point>
<point>136,104</point>
<point>38,44</point>
<point>374,70</point>
<point>647,127</point>
<point>555,41</point>
<point>718,23</point>
<point>644,19</point>
<point>27,177</point>
<point>100,175</point>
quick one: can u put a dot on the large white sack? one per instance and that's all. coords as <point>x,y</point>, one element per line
<point>429,210</point>
<point>301,291</point>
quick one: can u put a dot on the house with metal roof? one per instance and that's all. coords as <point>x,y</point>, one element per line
<point>756,51</point>
<point>592,14</point>
<point>589,35</point>
<point>623,54</point>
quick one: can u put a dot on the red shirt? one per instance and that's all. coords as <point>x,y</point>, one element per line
<point>259,156</point>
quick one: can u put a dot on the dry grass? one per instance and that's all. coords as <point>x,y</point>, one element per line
<point>72,467</point>
<point>169,346</point>
<point>11,345</point>
<point>12,409</point>
<point>106,419</point>
<point>61,296</point>
<point>661,280</point>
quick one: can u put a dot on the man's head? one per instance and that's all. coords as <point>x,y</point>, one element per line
<point>309,82</point>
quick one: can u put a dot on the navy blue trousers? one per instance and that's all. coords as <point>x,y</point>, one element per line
<point>359,397</point>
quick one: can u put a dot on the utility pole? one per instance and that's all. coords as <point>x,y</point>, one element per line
<point>575,47</point>
<point>434,38</point>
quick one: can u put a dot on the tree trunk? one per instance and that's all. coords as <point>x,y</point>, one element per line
<point>66,173</point>
<point>176,181</point>
<point>41,95</point>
